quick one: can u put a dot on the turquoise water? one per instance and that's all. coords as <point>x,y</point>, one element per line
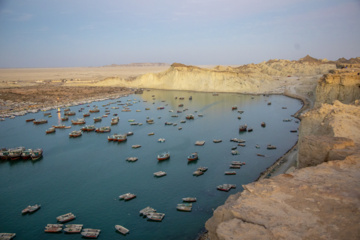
<point>86,175</point>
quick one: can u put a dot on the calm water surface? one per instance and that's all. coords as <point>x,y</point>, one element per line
<point>86,175</point>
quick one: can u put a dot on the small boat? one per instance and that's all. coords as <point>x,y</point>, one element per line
<point>73,228</point>
<point>94,110</point>
<point>189,199</point>
<point>127,196</point>
<point>193,157</point>
<point>163,156</point>
<point>129,133</point>
<point>293,131</point>
<point>115,120</point>
<point>263,124</point>
<point>121,229</point>
<point>150,134</point>
<point>269,146</point>
<point>132,159</point>
<point>103,129</point>
<point>90,233</point>
<point>234,166</point>
<point>50,130</point>
<point>86,115</point>
<point>287,120</point>
<point>88,128</point>
<point>154,216</point>
<point>7,236</point>
<point>238,163</point>
<point>189,116</point>
<point>31,209</point>
<point>168,123</point>
<point>30,120</point>
<point>199,143</point>
<point>161,140</point>
<point>66,118</point>
<point>146,211</point>
<point>260,155</point>
<point>234,148</point>
<point>59,126</point>
<point>79,121</point>
<point>75,133</point>
<point>234,108</point>
<point>250,130</point>
<point>4,154</point>
<point>234,152</point>
<point>97,119</point>
<point>243,128</point>
<point>217,140</point>
<point>66,217</point>
<point>15,153</point>
<point>230,173</point>
<point>40,121</point>
<point>198,173</point>
<point>257,146</point>
<point>69,113</point>
<point>53,228</point>
<point>241,144</point>
<point>185,207</point>
<point>202,169</point>
<point>159,174</point>
<point>136,146</point>
<point>150,121</point>
<point>226,187</point>
<point>26,154</point>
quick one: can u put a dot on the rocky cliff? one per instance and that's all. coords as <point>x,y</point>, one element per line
<point>342,85</point>
<point>264,77</point>
<point>319,200</point>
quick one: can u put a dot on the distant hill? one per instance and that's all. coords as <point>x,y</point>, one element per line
<point>138,65</point>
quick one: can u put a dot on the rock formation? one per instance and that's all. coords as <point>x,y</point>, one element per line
<point>320,200</point>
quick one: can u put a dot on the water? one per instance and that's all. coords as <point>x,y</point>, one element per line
<point>86,175</point>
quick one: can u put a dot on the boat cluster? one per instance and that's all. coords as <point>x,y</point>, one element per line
<point>20,153</point>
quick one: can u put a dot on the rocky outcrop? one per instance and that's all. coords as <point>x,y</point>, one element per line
<point>319,202</point>
<point>342,85</point>
<point>252,78</point>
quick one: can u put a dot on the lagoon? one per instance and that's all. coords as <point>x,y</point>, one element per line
<point>86,175</point>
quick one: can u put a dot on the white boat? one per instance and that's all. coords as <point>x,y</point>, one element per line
<point>159,174</point>
<point>122,229</point>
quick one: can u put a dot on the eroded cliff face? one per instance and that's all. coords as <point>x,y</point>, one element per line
<point>320,202</point>
<point>342,85</point>
<point>252,78</point>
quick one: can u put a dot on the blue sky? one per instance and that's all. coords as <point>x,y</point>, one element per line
<point>76,33</point>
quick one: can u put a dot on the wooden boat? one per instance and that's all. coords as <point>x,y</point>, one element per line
<point>238,163</point>
<point>97,119</point>
<point>86,115</point>
<point>150,121</point>
<point>263,124</point>
<point>73,228</point>
<point>198,173</point>
<point>79,121</point>
<point>199,143</point>
<point>234,166</point>
<point>75,133</point>
<point>129,133</point>
<point>103,129</point>
<point>66,217</point>
<point>163,156</point>
<point>40,121</point>
<point>190,117</point>
<point>293,131</point>
<point>132,159</point>
<point>217,140</point>
<point>4,154</point>
<point>168,123</point>
<point>237,140</point>
<point>136,146</point>
<point>234,108</point>
<point>88,128</point>
<point>53,228</point>
<point>269,146</point>
<point>250,129</point>
<point>26,154</point>
<point>230,173</point>
<point>202,169</point>
<point>144,212</point>
<point>184,207</point>
<point>226,187</point>
<point>50,130</point>
<point>7,236</point>
<point>121,229</point>
<point>115,120</point>
<point>94,110</point>
<point>30,120</point>
<point>66,118</point>
<point>127,196</point>
<point>189,199</point>
<point>243,128</point>
<point>15,153</point>
<point>70,113</point>
<point>159,174</point>
<point>59,126</point>
<point>260,155</point>
<point>193,157</point>
<point>31,209</point>
<point>234,152</point>
<point>150,134</point>
<point>154,216</point>
<point>90,233</point>
<point>161,140</point>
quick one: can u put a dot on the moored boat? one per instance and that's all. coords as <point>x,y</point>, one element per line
<point>269,146</point>
<point>159,174</point>
<point>30,120</point>
<point>217,140</point>
<point>121,229</point>
<point>59,126</point>
<point>73,228</point>
<point>132,159</point>
<point>31,209</point>
<point>15,153</point>
<point>75,133</point>
<point>136,146</point>
<point>163,156</point>
<point>88,128</point>
<point>90,233</point>
<point>226,187</point>
<point>193,157</point>
<point>97,119</point>
<point>79,121</point>
<point>40,121</point>
<point>66,217</point>
<point>189,116</point>
<point>230,173</point>
<point>127,196</point>
<point>53,228</point>
<point>263,124</point>
<point>94,110</point>
<point>161,140</point>
<point>103,129</point>
<point>184,207</point>
<point>26,154</point>
<point>199,143</point>
<point>50,130</point>
<point>154,216</point>
<point>243,128</point>
<point>189,199</point>
<point>7,236</point>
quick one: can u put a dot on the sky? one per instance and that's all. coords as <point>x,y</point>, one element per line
<point>90,33</point>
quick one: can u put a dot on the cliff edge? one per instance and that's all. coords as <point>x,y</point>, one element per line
<point>319,200</point>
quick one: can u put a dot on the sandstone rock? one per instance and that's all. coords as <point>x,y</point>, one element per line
<point>319,202</point>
